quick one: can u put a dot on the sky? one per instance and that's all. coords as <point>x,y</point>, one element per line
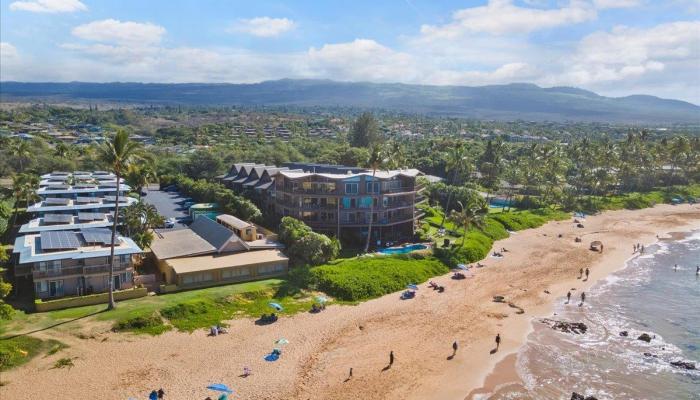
<point>612,47</point>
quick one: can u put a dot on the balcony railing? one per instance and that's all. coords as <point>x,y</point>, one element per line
<point>78,270</point>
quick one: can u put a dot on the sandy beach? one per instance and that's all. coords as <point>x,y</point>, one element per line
<point>538,269</point>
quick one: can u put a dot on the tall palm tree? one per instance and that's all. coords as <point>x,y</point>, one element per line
<point>466,217</point>
<point>117,155</point>
<point>455,164</point>
<point>376,160</point>
<point>20,149</point>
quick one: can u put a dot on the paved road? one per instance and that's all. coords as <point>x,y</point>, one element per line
<point>167,204</point>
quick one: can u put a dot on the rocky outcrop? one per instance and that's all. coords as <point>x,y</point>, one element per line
<point>577,328</point>
<point>683,364</point>
<point>644,337</point>
<point>577,396</point>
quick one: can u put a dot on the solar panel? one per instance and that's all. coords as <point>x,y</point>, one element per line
<point>111,199</point>
<point>85,186</point>
<point>59,240</point>
<point>86,200</point>
<point>58,219</point>
<point>90,216</point>
<point>56,201</point>
<point>57,187</point>
<point>97,235</point>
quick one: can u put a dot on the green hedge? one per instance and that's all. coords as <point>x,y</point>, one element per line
<point>366,278</point>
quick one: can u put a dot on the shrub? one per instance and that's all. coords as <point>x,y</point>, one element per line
<point>366,278</point>
<point>494,229</point>
<point>20,349</point>
<point>149,324</point>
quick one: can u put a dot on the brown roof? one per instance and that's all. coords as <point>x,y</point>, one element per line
<point>234,222</point>
<point>179,243</point>
<point>213,262</point>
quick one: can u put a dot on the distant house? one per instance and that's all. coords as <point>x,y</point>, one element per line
<point>209,253</point>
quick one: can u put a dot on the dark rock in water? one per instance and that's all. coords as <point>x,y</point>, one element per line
<point>647,354</point>
<point>499,299</point>
<point>683,364</point>
<point>576,396</point>
<point>644,337</point>
<point>591,398</point>
<point>624,333</point>
<point>577,328</point>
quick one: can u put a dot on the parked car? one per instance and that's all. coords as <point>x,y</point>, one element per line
<point>170,223</point>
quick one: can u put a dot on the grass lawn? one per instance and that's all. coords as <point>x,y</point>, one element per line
<point>19,350</point>
<point>221,302</point>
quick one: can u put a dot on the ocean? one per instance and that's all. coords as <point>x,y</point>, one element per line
<point>647,296</point>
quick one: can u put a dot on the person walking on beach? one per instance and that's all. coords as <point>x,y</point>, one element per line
<point>675,267</point>
<point>568,297</point>
<point>498,341</point>
<point>350,374</point>
<point>588,272</point>
<point>583,297</point>
<point>697,270</point>
<point>391,358</point>
<point>580,273</point>
<point>454,348</point>
<point>641,249</point>
<point>161,393</point>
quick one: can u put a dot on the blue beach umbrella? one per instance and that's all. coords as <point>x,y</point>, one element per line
<point>321,299</point>
<point>276,306</point>
<point>220,387</point>
<point>412,286</point>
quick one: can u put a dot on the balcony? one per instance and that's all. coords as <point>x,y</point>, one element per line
<point>78,270</point>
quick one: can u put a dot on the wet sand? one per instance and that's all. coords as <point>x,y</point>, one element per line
<point>324,346</point>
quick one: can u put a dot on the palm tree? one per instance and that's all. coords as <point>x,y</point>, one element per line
<point>467,217</point>
<point>375,162</point>
<point>117,155</point>
<point>455,164</point>
<point>21,150</point>
<point>62,150</point>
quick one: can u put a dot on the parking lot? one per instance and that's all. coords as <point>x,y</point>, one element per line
<point>168,205</point>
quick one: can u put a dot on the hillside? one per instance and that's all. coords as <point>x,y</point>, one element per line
<point>500,102</point>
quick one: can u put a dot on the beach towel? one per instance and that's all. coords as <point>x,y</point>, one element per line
<point>272,357</point>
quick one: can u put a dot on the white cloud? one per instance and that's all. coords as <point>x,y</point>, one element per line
<point>7,51</point>
<point>501,17</point>
<point>631,52</point>
<point>603,4</point>
<point>114,31</point>
<point>361,59</point>
<point>48,6</point>
<point>263,26</point>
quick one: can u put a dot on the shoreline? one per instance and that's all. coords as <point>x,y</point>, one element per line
<point>505,372</point>
<point>324,346</point>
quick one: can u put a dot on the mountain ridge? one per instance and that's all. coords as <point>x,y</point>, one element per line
<point>514,101</point>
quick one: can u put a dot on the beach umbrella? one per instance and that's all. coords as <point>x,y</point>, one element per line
<point>282,341</point>
<point>462,267</point>
<point>412,286</point>
<point>219,387</point>
<point>321,299</point>
<point>276,306</point>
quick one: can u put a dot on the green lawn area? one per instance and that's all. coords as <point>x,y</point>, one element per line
<point>365,278</point>
<point>17,351</point>
<point>212,304</point>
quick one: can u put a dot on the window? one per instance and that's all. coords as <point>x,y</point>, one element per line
<point>235,272</point>
<point>196,278</point>
<point>373,187</point>
<point>271,269</point>
<point>124,259</point>
<point>351,188</point>
<point>41,287</point>
<point>248,231</point>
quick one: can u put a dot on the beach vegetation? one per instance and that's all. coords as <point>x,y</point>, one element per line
<point>304,246</point>
<point>147,324</point>
<point>365,278</point>
<point>18,350</point>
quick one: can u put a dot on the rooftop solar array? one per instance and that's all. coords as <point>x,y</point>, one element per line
<point>58,219</point>
<point>56,201</point>
<point>91,216</point>
<point>59,240</point>
<point>112,199</point>
<point>101,173</point>
<point>57,187</point>
<point>86,200</point>
<point>85,186</point>
<point>97,235</point>
<point>60,173</point>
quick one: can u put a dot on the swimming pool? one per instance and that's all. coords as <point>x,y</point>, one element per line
<point>404,249</point>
